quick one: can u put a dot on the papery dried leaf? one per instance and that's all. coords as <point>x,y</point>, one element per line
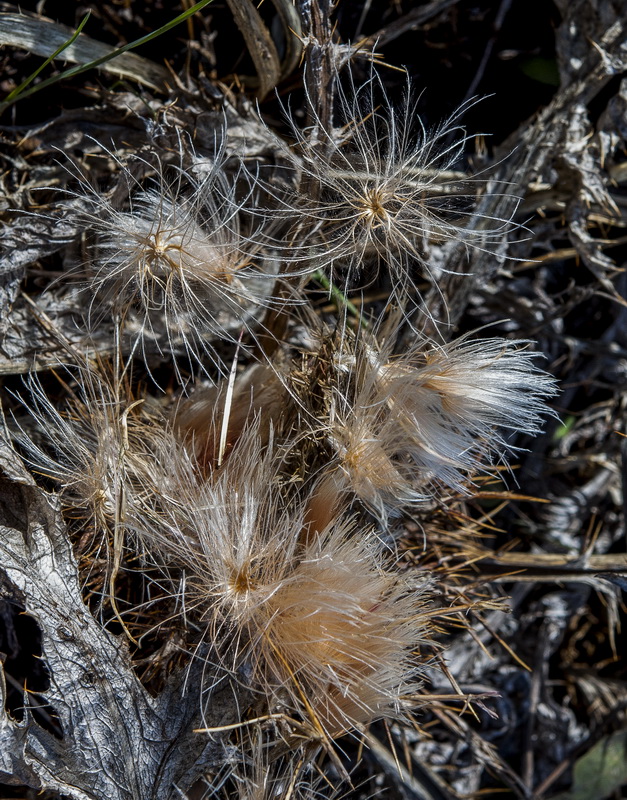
<point>117,741</point>
<point>43,37</point>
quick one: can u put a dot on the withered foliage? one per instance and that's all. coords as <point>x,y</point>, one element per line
<point>313,403</point>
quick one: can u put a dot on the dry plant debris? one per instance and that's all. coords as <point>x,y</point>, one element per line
<point>313,437</point>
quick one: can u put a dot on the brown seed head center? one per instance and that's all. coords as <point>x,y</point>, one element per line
<point>373,206</point>
<point>242,581</point>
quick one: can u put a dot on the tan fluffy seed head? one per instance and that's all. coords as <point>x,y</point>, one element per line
<point>329,631</point>
<point>347,629</point>
<point>380,189</point>
<point>401,426</point>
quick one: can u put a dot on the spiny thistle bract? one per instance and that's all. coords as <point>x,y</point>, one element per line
<point>380,189</point>
<point>175,265</point>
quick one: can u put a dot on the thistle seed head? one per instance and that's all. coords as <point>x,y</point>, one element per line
<point>173,262</point>
<point>401,426</point>
<point>326,626</point>
<point>380,188</point>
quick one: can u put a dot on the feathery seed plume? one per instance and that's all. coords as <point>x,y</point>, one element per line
<point>175,264</point>
<point>402,425</point>
<point>328,629</point>
<point>380,188</point>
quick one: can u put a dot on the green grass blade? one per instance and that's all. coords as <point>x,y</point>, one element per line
<point>79,68</point>
<point>339,298</point>
<point>12,96</point>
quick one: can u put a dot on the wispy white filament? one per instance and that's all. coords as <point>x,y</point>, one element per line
<point>433,417</point>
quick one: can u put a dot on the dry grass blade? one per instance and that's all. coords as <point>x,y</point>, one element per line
<point>261,45</point>
<point>549,567</point>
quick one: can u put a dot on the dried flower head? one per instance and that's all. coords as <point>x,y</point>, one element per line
<point>329,631</point>
<point>173,263</point>
<point>93,450</point>
<point>348,630</point>
<point>401,426</point>
<point>380,189</point>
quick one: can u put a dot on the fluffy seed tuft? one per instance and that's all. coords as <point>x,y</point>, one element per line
<point>380,189</point>
<point>402,426</point>
<point>329,631</point>
<point>173,263</point>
